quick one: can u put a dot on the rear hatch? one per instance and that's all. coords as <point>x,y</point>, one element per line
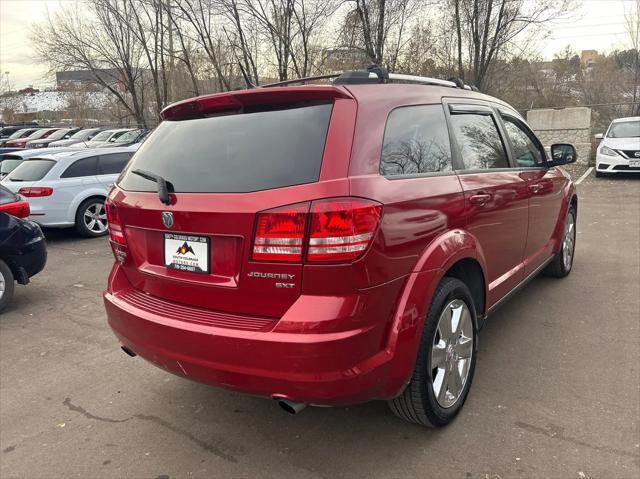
<point>226,158</point>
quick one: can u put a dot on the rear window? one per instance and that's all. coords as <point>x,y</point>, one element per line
<point>9,164</point>
<point>31,170</point>
<point>240,153</point>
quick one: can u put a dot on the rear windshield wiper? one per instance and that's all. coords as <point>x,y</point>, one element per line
<point>163,185</point>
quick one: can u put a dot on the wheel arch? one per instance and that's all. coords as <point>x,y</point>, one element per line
<point>455,253</point>
<point>81,199</point>
<point>469,271</point>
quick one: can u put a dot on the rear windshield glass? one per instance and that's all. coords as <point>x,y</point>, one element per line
<point>234,153</point>
<point>31,170</point>
<point>9,164</point>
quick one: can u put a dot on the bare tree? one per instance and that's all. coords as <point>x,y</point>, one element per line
<point>200,15</point>
<point>378,27</point>
<point>632,23</point>
<point>103,45</point>
<point>486,27</point>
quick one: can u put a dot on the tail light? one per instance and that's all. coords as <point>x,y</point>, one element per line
<point>280,233</point>
<point>35,191</point>
<point>20,209</point>
<point>116,234</point>
<point>341,229</point>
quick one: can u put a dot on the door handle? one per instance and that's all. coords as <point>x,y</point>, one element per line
<point>479,199</point>
<point>535,188</point>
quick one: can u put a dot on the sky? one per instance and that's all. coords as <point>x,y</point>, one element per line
<point>594,25</point>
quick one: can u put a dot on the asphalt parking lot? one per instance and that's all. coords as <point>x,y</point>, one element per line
<point>556,391</point>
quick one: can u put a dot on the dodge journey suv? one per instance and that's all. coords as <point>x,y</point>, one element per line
<point>334,244</point>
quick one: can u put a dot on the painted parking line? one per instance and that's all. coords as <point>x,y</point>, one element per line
<point>586,173</point>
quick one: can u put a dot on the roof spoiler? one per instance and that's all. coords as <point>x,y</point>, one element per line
<point>237,100</point>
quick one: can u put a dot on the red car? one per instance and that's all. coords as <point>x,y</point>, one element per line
<point>330,245</point>
<point>39,134</point>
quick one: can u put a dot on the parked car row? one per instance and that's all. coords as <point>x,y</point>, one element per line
<point>38,137</point>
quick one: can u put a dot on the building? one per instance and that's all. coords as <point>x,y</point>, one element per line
<point>88,78</point>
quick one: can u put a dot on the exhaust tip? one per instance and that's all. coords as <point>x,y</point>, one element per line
<point>291,407</point>
<point>128,351</point>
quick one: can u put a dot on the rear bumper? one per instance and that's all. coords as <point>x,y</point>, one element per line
<point>323,368</point>
<point>31,257</point>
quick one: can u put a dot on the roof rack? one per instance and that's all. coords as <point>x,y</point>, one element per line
<point>373,74</point>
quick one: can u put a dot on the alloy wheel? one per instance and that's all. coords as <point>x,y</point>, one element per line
<point>569,241</point>
<point>451,353</point>
<point>95,218</point>
<point>2,285</point>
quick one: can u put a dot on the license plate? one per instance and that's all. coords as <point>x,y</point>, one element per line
<point>634,163</point>
<point>186,253</point>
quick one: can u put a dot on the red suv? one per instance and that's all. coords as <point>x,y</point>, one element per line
<point>330,245</point>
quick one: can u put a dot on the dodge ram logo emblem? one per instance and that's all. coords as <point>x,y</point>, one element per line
<point>167,219</point>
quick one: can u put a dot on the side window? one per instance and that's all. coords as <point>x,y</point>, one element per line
<point>113,164</point>
<point>416,141</point>
<point>479,142</point>
<point>84,167</point>
<point>525,149</point>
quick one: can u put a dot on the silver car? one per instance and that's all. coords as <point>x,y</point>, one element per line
<point>104,138</point>
<point>69,189</point>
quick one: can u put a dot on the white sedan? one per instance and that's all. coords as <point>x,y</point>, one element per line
<point>619,150</point>
<point>69,189</point>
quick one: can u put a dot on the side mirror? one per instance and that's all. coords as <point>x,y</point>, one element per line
<point>599,136</point>
<point>562,154</point>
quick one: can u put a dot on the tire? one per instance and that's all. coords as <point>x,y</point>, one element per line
<point>91,218</point>
<point>419,402</point>
<point>562,263</point>
<point>7,285</point>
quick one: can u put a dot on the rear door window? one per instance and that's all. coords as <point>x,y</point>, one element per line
<point>236,153</point>
<point>478,141</point>
<point>83,167</point>
<point>416,141</point>
<point>113,164</point>
<point>31,170</point>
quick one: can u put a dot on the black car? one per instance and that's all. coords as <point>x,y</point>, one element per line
<point>23,251</point>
